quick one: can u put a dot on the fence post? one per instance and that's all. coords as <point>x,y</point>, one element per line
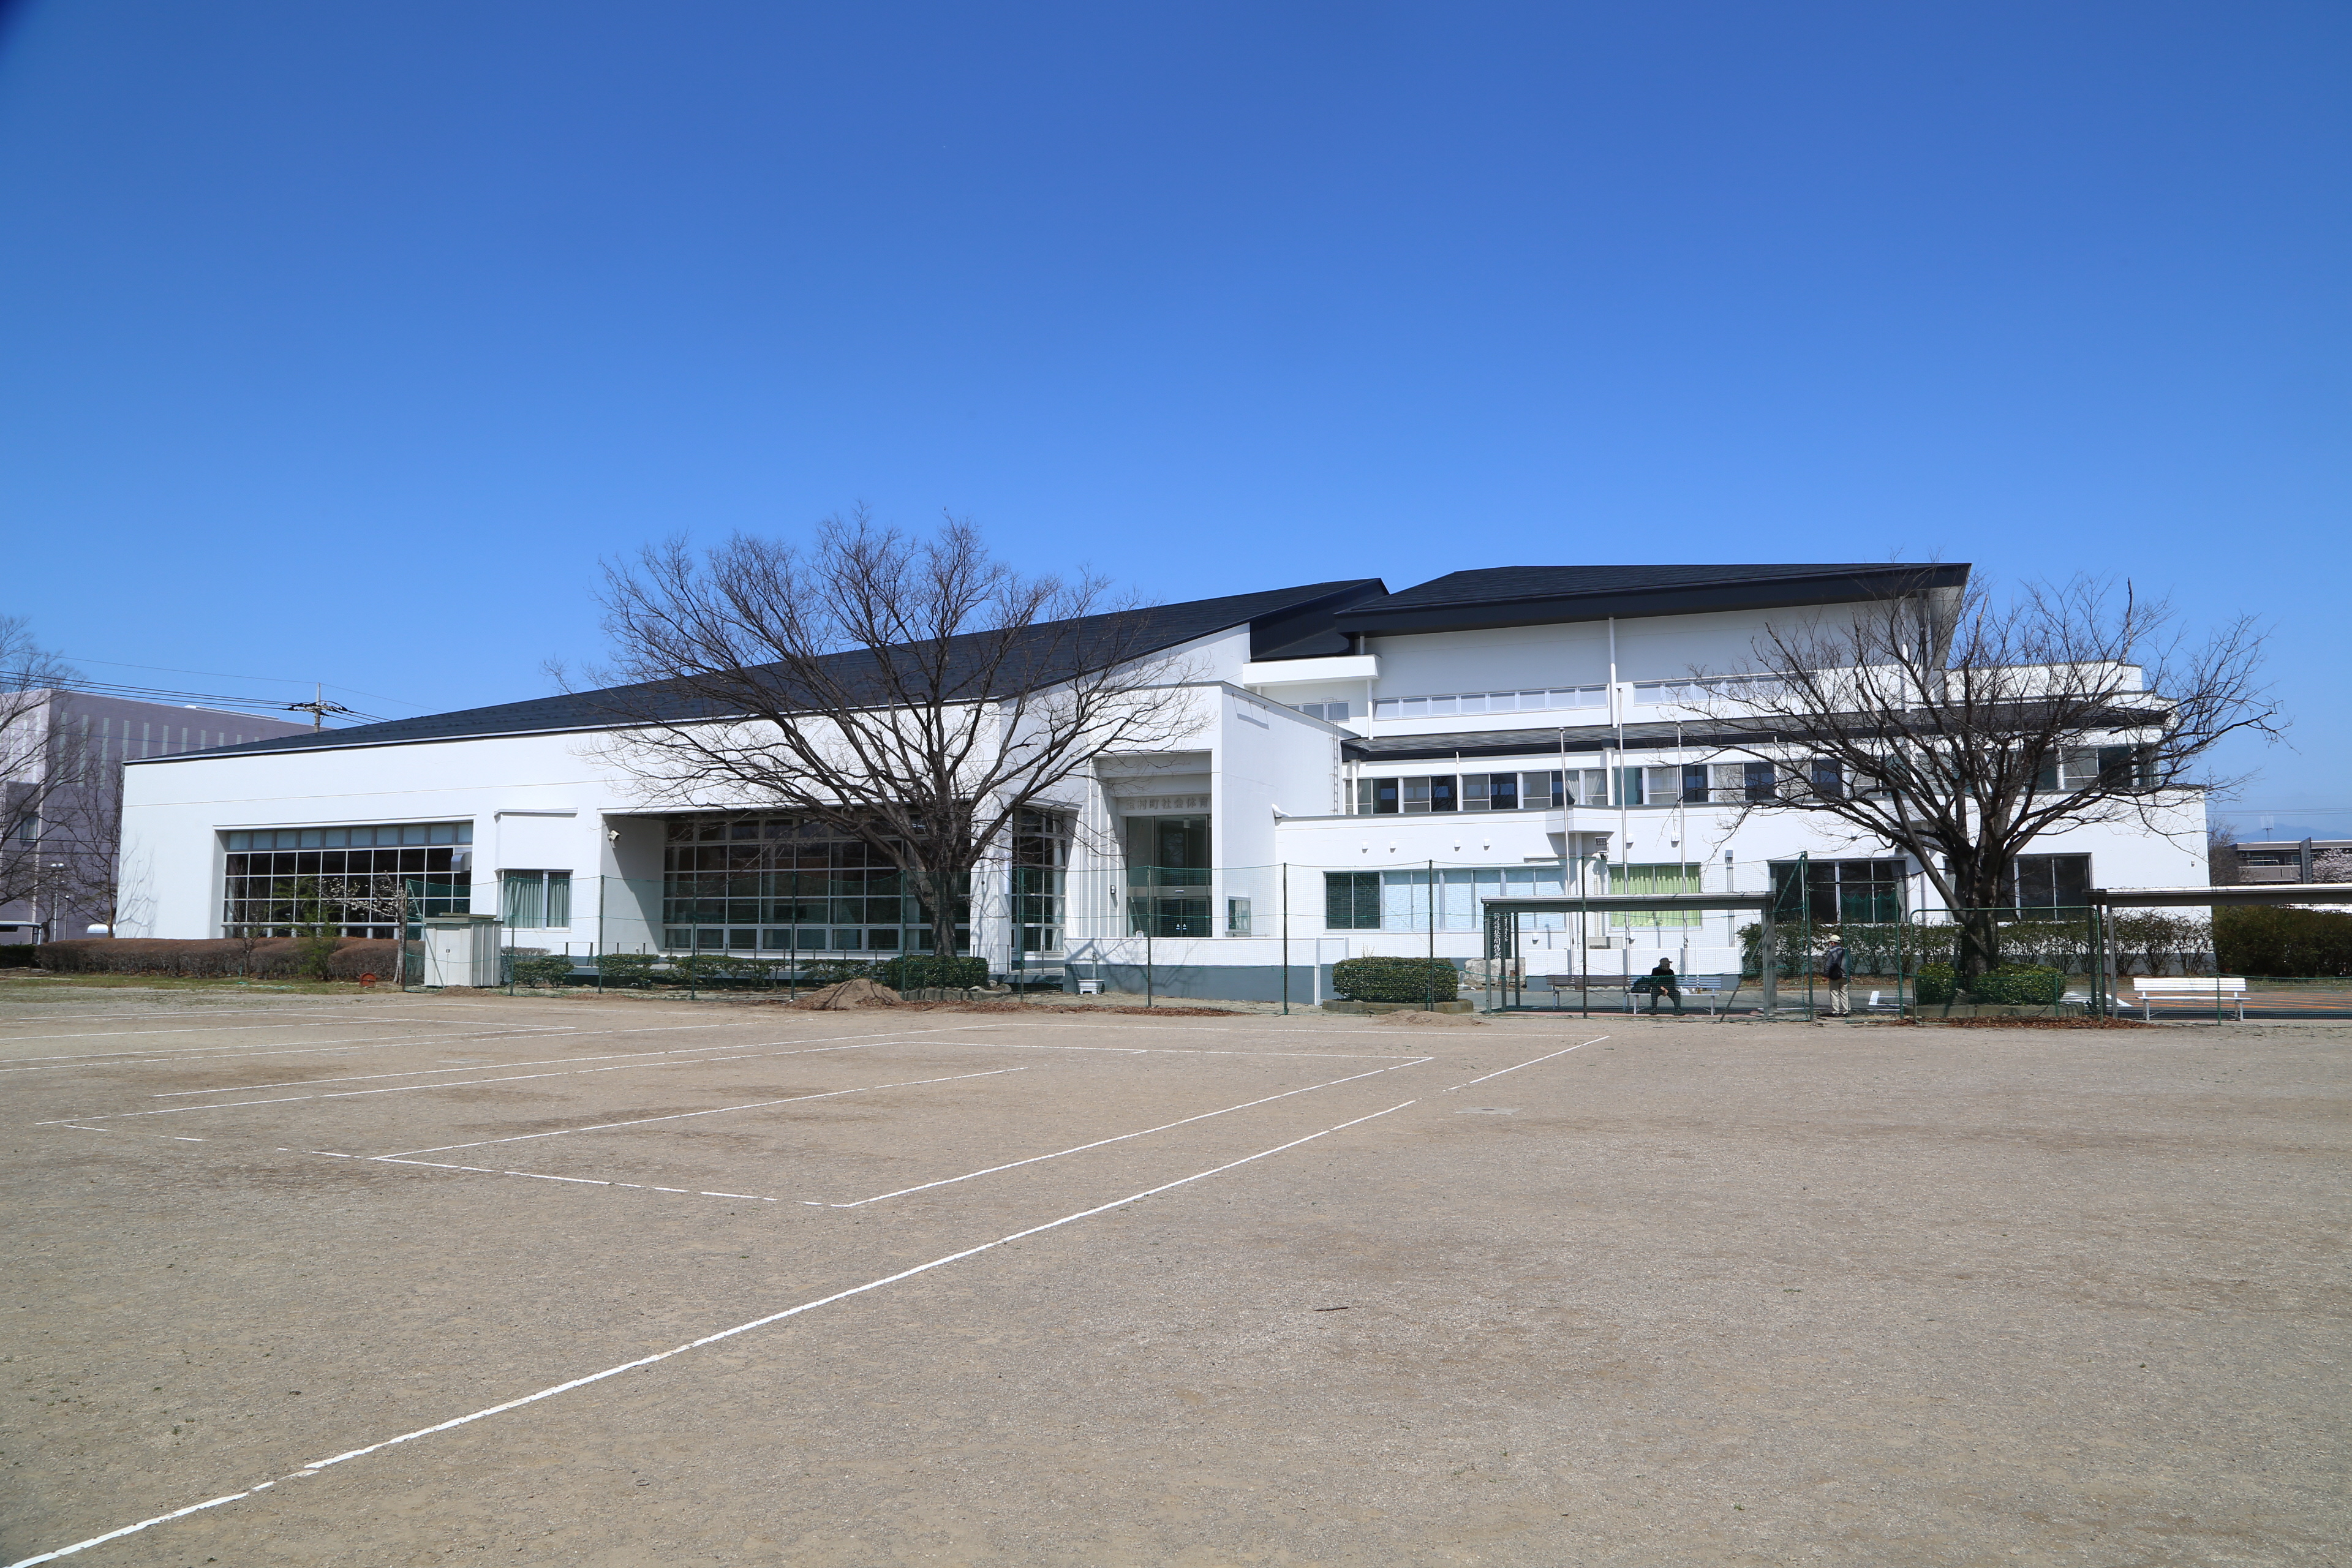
<point>1282,871</point>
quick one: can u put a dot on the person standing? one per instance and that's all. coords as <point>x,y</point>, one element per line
<point>1833,970</point>
<point>1662,982</point>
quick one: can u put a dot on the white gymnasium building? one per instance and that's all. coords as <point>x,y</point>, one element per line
<point>1361,767</point>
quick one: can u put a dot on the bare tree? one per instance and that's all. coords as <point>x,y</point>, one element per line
<point>30,779</point>
<point>1962,730</point>
<point>2222,865</point>
<point>84,837</point>
<point>915,693</point>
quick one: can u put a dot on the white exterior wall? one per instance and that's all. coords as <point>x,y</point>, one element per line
<point>1275,780</point>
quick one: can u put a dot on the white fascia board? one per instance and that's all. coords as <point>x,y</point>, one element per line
<point>1305,671</point>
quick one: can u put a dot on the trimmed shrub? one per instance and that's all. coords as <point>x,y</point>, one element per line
<point>17,955</point>
<point>366,956</point>
<point>2280,940</point>
<point>1933,987</point>
<point>541,969</point>
<point>921,972</point>
<point>2020,984</point>
<point>1396,979</point>
<point>223,958</point>
<point>822,971</point>
<point>625,969</point>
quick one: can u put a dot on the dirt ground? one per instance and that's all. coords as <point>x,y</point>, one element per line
<point>474,1280</point>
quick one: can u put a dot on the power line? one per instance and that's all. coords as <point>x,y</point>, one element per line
<point>224,675</point>
<point>202,699</point>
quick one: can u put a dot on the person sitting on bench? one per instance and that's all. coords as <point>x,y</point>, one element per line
<point>1662,983</point>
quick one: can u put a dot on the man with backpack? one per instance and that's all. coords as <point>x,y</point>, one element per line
<point>1662,982</point>
<point>1833,970</point>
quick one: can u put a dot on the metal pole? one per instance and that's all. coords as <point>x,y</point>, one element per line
<point>1584,932</point>
<point>1429,975</point>
<point>1283,871</point>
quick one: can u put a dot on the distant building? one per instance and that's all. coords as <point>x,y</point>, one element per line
<point>2299,860</point>
<point>62,785</point>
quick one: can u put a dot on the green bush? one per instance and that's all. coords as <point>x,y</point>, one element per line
<point>2279,940</point>
<point>625,969</point>
<point>542,970</point>
<point>1933,987</point>
<point>315,955</point>
<point>16,955</point>
<point>2020,984</point>
<point>833,971</point>
<point>921,972</point>
<point>1396,979</point>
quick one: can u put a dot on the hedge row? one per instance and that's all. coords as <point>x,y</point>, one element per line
<point>1396,979</point>
<point>2279,940</point>
<point>270,958</point>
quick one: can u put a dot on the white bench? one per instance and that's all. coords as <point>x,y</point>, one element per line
<point>2153,989</point>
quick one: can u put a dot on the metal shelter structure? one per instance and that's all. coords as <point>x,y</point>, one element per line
<point>1502,942</point>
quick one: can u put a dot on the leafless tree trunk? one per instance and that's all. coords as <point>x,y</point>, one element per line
<point>30,779</point>
<point>1959,731</point>
<point>915,693</point>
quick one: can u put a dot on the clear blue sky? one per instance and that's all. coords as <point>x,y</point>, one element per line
<point>339,341</point>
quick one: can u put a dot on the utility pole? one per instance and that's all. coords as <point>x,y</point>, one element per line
<point>318,708</point>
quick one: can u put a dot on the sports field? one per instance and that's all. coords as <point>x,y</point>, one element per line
<point>478,1279</point>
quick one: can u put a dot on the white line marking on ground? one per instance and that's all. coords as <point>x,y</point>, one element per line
<point>197,1058</point>
<point>1100,1143</point>
<point>539,1176</point>
<point>685,1115</point>
<point>1577,1047</point>
<point>638,1059</point>
<point>315,1465</point>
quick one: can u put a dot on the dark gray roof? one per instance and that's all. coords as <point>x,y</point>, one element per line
<point>1272,617</point>
<point>1543,595</point>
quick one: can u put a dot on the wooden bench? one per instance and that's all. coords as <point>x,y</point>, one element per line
<point>2153,989</point>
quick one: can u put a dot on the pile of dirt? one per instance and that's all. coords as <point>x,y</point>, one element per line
<point>848,996</point>
<point>1427,1020</point>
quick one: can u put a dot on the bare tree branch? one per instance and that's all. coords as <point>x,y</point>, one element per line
<point>30,779</point>
<point>1960,731</point>
<point>913,693</point>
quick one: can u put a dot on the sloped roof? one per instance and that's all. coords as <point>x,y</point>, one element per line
<point>1273,616</point>
<point>1541,596</point>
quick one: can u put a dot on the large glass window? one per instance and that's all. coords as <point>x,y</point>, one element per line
<point>1410,900</point>
<point>783,885</point>
<point>1544,791</point>
<point>536,901</point>
<point>283,880</point>
<point>1654,880</point>
<point>1530,701</point>
<point>1866,892</point>
<point>2048,883</point>
<point>1167,875</point>
<point>1041,861</point>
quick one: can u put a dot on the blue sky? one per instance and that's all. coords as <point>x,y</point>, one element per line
<point>338,343</point>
